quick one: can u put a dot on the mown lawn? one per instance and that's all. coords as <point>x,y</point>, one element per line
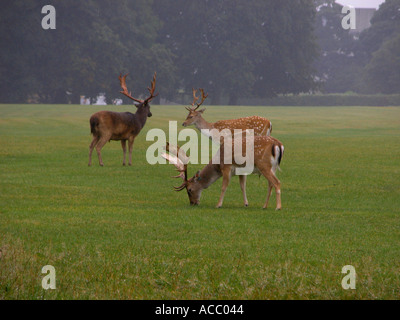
<point>119,232</point>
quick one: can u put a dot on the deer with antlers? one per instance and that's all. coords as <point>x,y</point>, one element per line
<point>124,126</point>
<point>267,155</point>
<point>261,126</point>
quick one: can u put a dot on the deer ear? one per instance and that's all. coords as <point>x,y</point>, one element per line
<point>202,110</point>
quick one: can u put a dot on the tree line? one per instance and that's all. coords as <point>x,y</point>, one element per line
<point>233,48</point>
<point>368,62</point>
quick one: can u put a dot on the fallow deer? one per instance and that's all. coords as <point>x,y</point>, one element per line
<point>124,126</point>
<point>261,126</point>
<point>268,153</point>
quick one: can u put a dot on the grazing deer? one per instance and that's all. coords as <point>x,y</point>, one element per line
<point>268,154</point>
<point>261,126</point>
<point>124,126</point>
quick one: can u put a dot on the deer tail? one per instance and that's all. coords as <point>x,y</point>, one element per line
<point>281,149</point>
<point>94,122</point>
<point>278,157</point>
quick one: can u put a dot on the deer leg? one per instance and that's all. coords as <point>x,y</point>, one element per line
<point>91,147</point>
<point>99,146</point>
<point>242,180</point>
<point>130,143</point>
<point>123,144</point>
<point>268,195</point>
<point>273,182</point>
<point>225,182</point>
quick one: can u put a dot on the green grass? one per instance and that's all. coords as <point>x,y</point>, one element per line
<point>119,232</point>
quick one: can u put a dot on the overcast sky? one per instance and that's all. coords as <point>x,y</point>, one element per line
<point>361,3</point>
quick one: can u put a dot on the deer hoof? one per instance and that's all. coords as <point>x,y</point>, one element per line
<point>277,209</point>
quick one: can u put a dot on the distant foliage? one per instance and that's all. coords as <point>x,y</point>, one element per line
<point>94,41</point>
<point>337,63</point>
<point>364,63</point>
<point>328,100</point>
<point>381,42</point>
<point>382,74</point>
<point>241,48</point>
<point>235,49</point>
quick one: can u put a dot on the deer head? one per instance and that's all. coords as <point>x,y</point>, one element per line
<point>179,158</point>
<point>194,114</point>
<point>143,104</point>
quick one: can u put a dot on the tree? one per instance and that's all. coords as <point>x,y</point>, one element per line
<point>339,62</point>
<point>384,25</point>
<point>94,41</point>
<point>380,44</point>
<point>382,74</point>
<point>240,48</point>
<point>291,44</point>
<point>232,48</point>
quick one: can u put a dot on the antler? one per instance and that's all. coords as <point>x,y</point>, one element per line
<point>125,92</point>
<point>152,89</point>
<point>195,99</point>
<point>122,81</point>
<point>180,160</point>
<point>177,151</point>
<point>203,97</point>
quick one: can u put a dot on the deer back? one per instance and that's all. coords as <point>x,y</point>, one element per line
<point>260,125</point>
<point>263,151</point>
<point>117,125</point>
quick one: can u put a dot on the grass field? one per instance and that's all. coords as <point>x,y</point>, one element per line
<point>119,232</point>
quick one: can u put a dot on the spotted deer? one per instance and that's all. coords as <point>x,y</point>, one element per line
<point>261,126</point>
<point>267,154</point>
<point>124,126</point>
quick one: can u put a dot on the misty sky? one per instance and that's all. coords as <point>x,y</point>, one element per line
<point>362,3</point>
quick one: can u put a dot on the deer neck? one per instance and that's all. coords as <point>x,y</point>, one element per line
<point>203,124</point>
<point>209,174</point>
<point>141,116</point>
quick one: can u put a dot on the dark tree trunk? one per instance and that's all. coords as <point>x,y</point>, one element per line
<point>233,99</point>
<point>215,98</point>
<point>60,97</point>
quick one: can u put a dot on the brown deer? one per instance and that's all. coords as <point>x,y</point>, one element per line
<point>261,126</point>
<point>268,154</point>
<point>124,126</point>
